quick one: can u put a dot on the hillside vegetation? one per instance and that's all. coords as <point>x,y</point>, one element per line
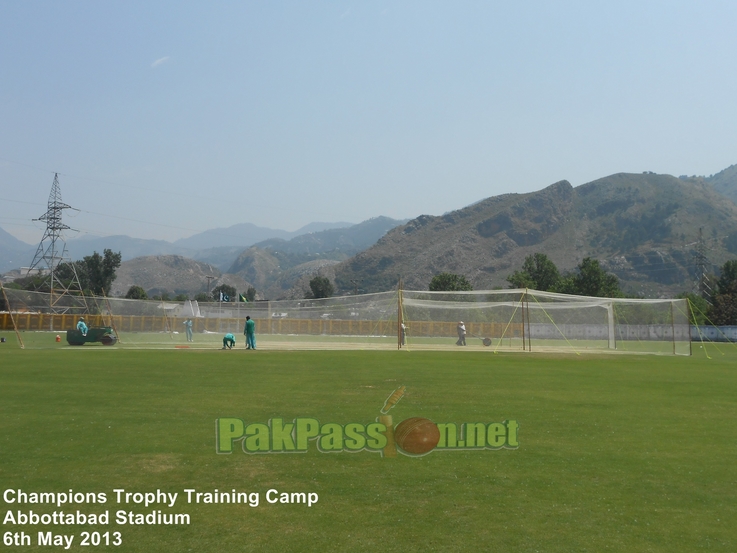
<point>642,227</point>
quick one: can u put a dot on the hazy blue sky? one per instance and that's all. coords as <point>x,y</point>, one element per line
<point>169,118</point>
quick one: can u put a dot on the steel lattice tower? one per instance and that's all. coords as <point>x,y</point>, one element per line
<point>702,264</point>
<point>52,250</point>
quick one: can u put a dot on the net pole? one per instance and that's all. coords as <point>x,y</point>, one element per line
<point>12,319</point>
<point>529,331</point>
<point>522,305</point>
<point>672,328</point>
<point>688,319</point>
<point>529,328</point>
<point>688,322</point>
<point>612,339</point>
<point>399,314</point>
<point>166,320</point>
<point>112,318</point>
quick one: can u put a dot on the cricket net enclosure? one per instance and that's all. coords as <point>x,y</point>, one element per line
<point>494,320</point>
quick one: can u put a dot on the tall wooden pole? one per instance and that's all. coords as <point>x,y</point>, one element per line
<point>673,328</point>
<point>399,313</point>
<point>522,305</point>
<point>15,327</point>
<point>112,318</point>
<point>529,332</point>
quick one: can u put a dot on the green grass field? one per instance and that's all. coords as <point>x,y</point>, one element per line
<point>213,340</point>
<point>616,453</point>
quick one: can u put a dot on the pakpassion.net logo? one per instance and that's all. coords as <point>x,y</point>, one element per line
<point>415,436</point>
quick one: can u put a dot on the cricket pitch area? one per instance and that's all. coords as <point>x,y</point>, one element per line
<point>612,453</point>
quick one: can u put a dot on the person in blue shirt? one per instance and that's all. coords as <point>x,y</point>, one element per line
<point>82,327</point>
<point>228,341</point>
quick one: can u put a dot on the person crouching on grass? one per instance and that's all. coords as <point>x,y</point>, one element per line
<point>228,341</point>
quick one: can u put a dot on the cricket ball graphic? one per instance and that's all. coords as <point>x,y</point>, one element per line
<point>417,435</point>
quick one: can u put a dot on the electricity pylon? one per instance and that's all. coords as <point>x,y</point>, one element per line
<point>52,252</point>
<point>702,264</point>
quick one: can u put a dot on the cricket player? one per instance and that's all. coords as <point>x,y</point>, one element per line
<point>228,341</point>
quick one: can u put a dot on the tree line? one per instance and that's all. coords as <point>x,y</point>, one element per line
<point>590,279</point>
<point>221,293</point>
<point>540,273</point>
<point>95,272</point>
<point>720,306</point>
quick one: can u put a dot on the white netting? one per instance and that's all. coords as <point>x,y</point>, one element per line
<point>494,319</point>
<point>530,319</point>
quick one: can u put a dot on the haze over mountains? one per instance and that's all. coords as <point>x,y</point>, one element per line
<point>215,246</point>
<point>643,227</point>
<point>13,252</point>
<point>272,266</point>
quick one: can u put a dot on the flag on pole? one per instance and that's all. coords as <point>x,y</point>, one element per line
<point>221,295</point>
<point>242,298</point>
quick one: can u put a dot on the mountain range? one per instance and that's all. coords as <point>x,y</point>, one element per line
<point>273,266</point>
<point>647,228</point>
<point>218,247</point>
<point>14,253</point>
<point>282,268</point>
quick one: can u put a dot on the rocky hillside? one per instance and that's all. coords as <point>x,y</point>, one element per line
<point>14,253</point>
<point>643,227</point>
<point>343,242</point>
<point>171,274</point>
<point>725,182</point>
<point>283,268</point>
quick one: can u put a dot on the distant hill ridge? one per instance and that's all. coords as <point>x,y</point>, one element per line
<point>642,226</point>
<point>273,267</point>
<point>246,234</point>
<point>280,268</point>
<point>218,247</point>
<point>725,182</point>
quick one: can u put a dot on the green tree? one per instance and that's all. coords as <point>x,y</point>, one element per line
<point>101,270</point>
<point>723,310</point>
<point>449,282</point>
<point>136,293</point>
<point>181,297</point>
<point>590,279</point>
<point>538,272</point>
<point>229,293</point>
<point>65,273</point>
<point>727,283</point>
<point>203,297</point>
<point>251,293</point>
<point>321,287</point>
<point>34,283</point>
<point>697,309</point>
<point>96,272</point>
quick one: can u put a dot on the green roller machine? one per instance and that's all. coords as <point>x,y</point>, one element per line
<point>104,335</point>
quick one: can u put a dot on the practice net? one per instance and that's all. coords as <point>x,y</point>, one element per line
<point>493,320</point>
